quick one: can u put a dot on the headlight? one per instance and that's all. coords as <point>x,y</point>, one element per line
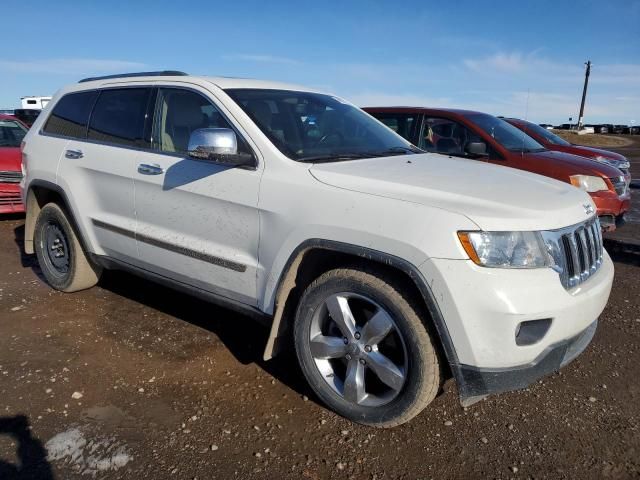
<point>506,249</point>
<point>588,183</point>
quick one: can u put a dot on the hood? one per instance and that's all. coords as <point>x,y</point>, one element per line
<point>494,197</point>
<point>590,152</point>
<point>576,164</point>
<point>10,159</point>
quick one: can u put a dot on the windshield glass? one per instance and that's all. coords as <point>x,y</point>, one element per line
<point>546,134</point>
<point>506,134</point>
<point>11,133</point>
<point>314,127</point>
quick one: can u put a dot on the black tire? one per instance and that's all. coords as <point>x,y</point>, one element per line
<point>422,369</point>
<point>62,260</point>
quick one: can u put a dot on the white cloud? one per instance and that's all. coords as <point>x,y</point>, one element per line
<point>72,66</point>
<point>261,58</point>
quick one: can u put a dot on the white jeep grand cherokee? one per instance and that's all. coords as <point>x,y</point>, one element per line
<point>383,266</point>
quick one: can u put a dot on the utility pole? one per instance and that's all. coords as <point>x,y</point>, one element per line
<point>584,95</point>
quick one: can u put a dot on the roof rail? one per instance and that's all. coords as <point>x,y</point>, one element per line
<point>162,73</point>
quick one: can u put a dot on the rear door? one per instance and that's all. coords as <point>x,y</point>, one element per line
<point>198,222</point>
<point>98,170</point>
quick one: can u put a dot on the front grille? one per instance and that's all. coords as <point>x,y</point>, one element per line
<point>577,251</point>
<point>10,198</point>
<point>10,176</point>
<point>620,184</point>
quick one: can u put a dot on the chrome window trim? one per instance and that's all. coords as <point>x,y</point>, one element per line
<point>150,149</point>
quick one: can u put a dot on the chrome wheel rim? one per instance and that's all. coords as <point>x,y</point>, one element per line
<point>358,349</point>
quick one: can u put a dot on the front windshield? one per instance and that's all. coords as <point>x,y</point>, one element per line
<point>546,134</point>
<point>11,133</point>
<point>314,127</point>
<point>505,134</point>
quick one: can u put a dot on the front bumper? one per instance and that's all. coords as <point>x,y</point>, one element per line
<point>611,208</point>
<point>477,383</point>
<point>485,309</point>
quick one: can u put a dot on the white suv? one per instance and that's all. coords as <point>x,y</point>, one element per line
<point>383,266</point>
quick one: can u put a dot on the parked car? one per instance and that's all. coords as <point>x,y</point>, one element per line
<point>548,126</point>
<point>635,130</point>
<point>12,132</point>
<point>26,115</point>
<point>617,129</point>
<point>551,141</point>
<point>385,263</point>
<point>488,138</point>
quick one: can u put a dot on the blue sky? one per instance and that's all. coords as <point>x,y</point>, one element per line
<point>503,57</point>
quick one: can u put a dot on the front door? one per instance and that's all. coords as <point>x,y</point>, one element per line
<point>198,222</point>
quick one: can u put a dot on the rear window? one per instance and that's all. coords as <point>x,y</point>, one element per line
<point>70,115</point>
<point>119,117</point>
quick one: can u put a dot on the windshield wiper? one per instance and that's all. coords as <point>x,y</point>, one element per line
<point>337,157</point>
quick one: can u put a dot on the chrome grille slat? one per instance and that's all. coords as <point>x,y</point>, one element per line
<point>10,176</point>
<point>577,251</point>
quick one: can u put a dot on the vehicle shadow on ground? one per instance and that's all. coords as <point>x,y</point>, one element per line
<point>619,252</point>
<point>32,456</point>
<point>242,335</point>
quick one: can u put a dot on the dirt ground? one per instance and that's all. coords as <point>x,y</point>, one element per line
<point>132,380</point>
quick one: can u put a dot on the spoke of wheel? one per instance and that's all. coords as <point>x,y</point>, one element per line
<point>385,370</point>
<point>341,314</point>
<point>354,382</point>
<point>323,347</point>
<point>378,327</point>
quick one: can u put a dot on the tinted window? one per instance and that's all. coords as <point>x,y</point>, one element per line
<point>179,114</point>
<point>311,127</point>
<point>11,133</point>
<point>505,134</point>
<point>71,114</point>
<point>548,136</point>
<point>119,117</point>
<point>402,124</point>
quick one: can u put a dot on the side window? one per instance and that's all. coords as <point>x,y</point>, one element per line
<point>70,115</point>
<point>402,124</point>
<point>119,117</point>
<point>446,136</point>
<point>178,114</point>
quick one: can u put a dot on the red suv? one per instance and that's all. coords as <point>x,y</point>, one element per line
<point>12,131</point>
<point>551,141</point>
<point>485,137</point>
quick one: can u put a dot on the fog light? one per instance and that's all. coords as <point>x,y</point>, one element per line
<point>532,331</point>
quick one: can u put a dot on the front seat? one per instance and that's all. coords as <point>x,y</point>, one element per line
<point>184,116</point>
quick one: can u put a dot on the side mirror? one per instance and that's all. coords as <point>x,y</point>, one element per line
<point>476,149</point>
<point>217,145</point>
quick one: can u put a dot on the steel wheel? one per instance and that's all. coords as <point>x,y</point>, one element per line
<point>57,249</point>
<point>358,349</point>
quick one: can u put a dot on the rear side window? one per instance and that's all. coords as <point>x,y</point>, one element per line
<point>119,117</point>
<point>70,115</point>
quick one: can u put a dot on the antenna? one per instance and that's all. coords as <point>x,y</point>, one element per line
<point>526,114</point>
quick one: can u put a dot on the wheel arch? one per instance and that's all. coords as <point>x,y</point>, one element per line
<point>315,256</point>
<point>39,193</point>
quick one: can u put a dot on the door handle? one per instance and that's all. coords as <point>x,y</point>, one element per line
<point>150,169</point>
<point>74,154</point>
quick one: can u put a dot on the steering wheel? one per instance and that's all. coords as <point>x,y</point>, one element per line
<point>327,136</point>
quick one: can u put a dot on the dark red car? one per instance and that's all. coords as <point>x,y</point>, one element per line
<point>12,131</point>
<point>485,137</point>
<point>551,141</point>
